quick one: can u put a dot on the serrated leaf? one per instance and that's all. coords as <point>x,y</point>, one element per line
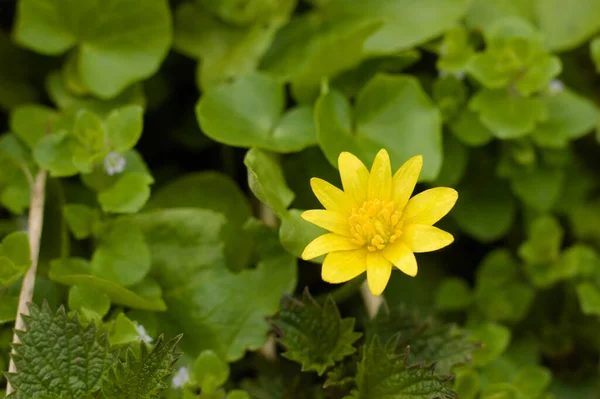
<point>384,375</point>
<point>266,180</point>
<point>314,336</point>
<point>431,342</point>
<point>392,112</point>
<point>80,357</point>
<point>116,46</point>
<point>143,376</point>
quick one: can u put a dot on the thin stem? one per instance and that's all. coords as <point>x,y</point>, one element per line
<point>36,221</point>
<point>345,291</point>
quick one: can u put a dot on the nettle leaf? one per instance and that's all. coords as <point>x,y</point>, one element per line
<point>80,358</point>
<point>226,52</point>
<point>405,23</point>
<point>116,45</point>
<point>391,112</point>
<point>217,309</point>
<point>218,192</point>
<point>249,112</point>
<point>77,271</point>
<point>432,343</point>
<point>15,257</point>
<point>68,101</point>
<point>314,336</point>
<point>570,116</point>
<point>382,374</point>
<point>508,115</point>
<point>143,376</point>
<point>266,180</point>
<point>500,294</point>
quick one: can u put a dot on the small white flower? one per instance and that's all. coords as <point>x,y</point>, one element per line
<point>555,86</point>
<point>143,334</point>
<point>180,378</point>
<point>114,163</point>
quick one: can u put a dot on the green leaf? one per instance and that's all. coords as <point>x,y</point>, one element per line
<point>15,257</point>
<point>500,294</point>
<point>539,187</point>
<point>456,158</point>
<point>467,384</point>
<point>116,46</point>
<point>16,86</point>
<point>128,195</point>
<point>295,233</point>
<point>124,127</point>
<point>384,375</point>
<point>30,122</point>
<point>589,298</point>
<point>55,152</point>
<point>81,219</point>
<point>495,339</point>
<point>225,52</point>
<point>391,112</point>
<point>100,180</point>
<point>541,251</point>
<point>250,113</point>
<point>483,13</point>
<point>455,51</point>
<point>507,115</point>
<point>231,12</point>
<point>595,52</point>
<point>124,331</point>
<point>218,192</point>
<point>570,116</point>
<point>210,371</point>
<point>565,29</point>
<point>532,381</point>
<point>453,294</point>
<point>58,337</point>
<point>406,24</point>
<point>314,336</point>
<point>76,271</point>
<point>81,297</point>
<point>486,209</point>
<point>267,182</point>
<point>70,102</point>
<point>122,254</point>
<point>143,376</point>
<point>450,94</point>
<point>188,260</point>
<point>8,307</point>
<point>467,127</point>
<point>432,343</point>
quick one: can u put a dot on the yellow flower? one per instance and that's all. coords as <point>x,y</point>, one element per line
<point>374,224</point>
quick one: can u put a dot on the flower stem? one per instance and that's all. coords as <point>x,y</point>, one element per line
<point>345,291</point>
<point>34,228</point>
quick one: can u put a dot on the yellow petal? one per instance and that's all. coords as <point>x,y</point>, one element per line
<point>342,266</point>
<point>402,257</point>
<point>429,206</point>
<point>379,270</point>
<point>425,238</point>
<point>329,220</point>
<point>380,178</point>
<point>355,177</point>
<point>405,180</point>
<point>327,243</point>
<point>330,196</point>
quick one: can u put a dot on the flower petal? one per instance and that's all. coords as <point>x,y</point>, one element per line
<point>429,206</point>
<point>379,270</point>
<point>355,177</point>
<point>342,266</point>
<point>327,243</point>
<point>380,178</point>
<point>329,220</point>
<point>425,238</point>
<point>405,180</point>
<point>330,196</point>
<point>402,257</point>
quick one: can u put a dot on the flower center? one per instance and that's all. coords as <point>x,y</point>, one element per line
<point>375,224</point>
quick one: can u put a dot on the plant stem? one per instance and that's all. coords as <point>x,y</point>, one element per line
<point>345,291</point>
<point>34,228</point>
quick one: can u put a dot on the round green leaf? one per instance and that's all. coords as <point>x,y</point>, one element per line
<point>495,339</point>
<point>249,113</point>
<point>124,331</point>
<point>128,195</point>
<point>31,122</point>
<point>210,371</point>
<point>122,254</point>
<point>117,45</point>
<point>467,127</point>
<point>81,297</point>
<point>392,112</point>
<point>565,28</point>
<point>295,233</point>
<point>124,127</point>
<point>453,293</point>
